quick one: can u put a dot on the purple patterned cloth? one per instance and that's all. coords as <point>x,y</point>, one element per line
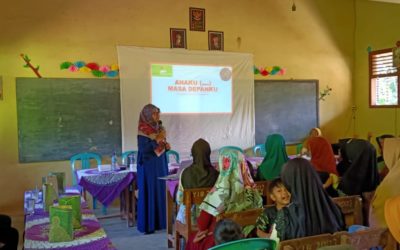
<point>105,186</point>
<point>90,236</point>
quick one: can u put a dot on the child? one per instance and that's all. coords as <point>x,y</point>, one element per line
<point>227,230</point>
<point>281,196</point>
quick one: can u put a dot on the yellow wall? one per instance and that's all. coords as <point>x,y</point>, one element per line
<point>315,42</point>
<point>376,27</point>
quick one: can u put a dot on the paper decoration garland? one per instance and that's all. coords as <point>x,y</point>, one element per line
<point>275,70</point>
<point>94,68</point>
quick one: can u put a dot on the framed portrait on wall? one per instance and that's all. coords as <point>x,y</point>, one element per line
<point>215,40</point>
<point>197,19</point>
<point>177,38</point>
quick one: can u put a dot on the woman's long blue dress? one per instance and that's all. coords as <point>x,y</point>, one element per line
<point>151,204</point>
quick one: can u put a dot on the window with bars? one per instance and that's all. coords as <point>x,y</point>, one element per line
<point>384,78</point>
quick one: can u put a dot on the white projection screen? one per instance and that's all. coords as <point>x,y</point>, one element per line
<point>201,94</point>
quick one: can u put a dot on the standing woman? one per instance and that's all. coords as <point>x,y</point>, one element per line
<point>152,164</point>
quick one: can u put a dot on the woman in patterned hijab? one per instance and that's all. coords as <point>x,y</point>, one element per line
<point>233,191</point>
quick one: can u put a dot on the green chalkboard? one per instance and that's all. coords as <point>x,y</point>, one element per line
<point>59,117</point>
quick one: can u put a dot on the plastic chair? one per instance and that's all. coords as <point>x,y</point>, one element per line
<point>298,148</point>
<point>85,164</point>
<point>125,155</point>
<point>230,148</point>
<point>174,154</point>
<point>252,243</point>
<point>261,148</point>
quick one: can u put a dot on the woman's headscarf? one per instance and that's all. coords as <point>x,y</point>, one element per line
<point>390,185</point>
<point>361,173</point>
<point>234,189</point>
<point>201,173</point>
<point>322,157</point>
<point>312,211</point>
<point>392,215</point>
<point>147,125</point>
<point>276,156</point>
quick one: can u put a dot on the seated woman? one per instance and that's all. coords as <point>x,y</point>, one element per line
<point>276,156</point>
<point>311,210</point>
<point>359,174</point>
<point>389,187</point>
<point>392,216</point>
<point>234,191</point>
<point>324,162</point>
<point>314,132</point>
<point>8,234</point>
<point>198,175</point>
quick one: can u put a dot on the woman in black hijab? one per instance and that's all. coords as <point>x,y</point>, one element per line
<point>198,175</point>
<point>359,172</point>
<point>311,211</point>
<point>358,169</point>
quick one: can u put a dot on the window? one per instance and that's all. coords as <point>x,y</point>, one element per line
<point>384,79</point>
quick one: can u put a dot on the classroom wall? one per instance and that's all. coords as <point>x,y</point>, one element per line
<point>378,34</point>
<point>314,42</point>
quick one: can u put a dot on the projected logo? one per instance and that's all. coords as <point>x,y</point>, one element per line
<point>225,74</point>
<point>161,70</point>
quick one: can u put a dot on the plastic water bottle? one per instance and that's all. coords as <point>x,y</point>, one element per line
<point>114,161</point>
<point>131,162</point>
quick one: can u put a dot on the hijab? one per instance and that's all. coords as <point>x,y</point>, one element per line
<point>322,157</point>
<point>234,189</point>
<point>361,173</point>
<point>201,173</point>
<point>312,211</point>
<point>390,185</point>
<point>274,159</point>
<point>150,128</point>
<point>147,125</point>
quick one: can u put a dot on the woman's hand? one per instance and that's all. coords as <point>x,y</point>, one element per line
<point>160,136</point>
<point>167,146</point>
<point>200,235</point>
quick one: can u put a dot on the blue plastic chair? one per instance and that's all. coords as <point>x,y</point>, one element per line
<point>126,154</point>
<point>174,154</point>
<point>252,243</point>
<point>261,148</point>
<point>85,159</point>
<point>230,148</point>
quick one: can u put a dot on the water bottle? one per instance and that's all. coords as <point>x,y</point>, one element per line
<point>114,161</point>
<point>131,163</point>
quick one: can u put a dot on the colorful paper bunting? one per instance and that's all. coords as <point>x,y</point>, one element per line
<point>94,68</point>
<point>265,71</point>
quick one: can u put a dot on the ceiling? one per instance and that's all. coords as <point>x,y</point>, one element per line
<point>388,1</point>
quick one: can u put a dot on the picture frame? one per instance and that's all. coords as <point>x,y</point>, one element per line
<point>177,38</point>
<point>197,19</point>
<point>215,40</point>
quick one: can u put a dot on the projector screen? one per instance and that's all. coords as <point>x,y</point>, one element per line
<point>201,94</point>
<point>191,88</point>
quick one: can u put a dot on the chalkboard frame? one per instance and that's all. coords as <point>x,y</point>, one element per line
<point>311,93</point>
<point>60,117</point>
